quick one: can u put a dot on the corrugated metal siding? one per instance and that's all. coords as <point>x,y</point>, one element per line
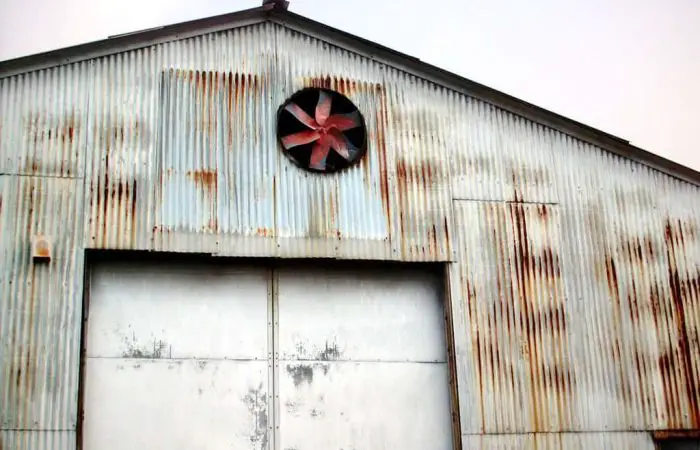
<point>218,147</point>
<point>41,305</point>
<point>499,156</point>
<point>43,122</point>
<point>560,441</point>
<point>120,164</point>
<point>418,117</point>
<point>477,158</point>
<point>608,307</point>
<point>347,214</point>
<point>31,440</point>
<point>517,319</point>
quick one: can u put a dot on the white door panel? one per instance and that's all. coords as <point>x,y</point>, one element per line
<point>364,405</point>
<point>177,358</point>
<point>178,311</point>
<point>175,405</point>
<point>360,315</point>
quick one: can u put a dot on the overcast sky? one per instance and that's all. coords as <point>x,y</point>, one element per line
<point>628,67</point>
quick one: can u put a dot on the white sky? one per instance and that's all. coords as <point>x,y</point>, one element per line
<point>628,67</point>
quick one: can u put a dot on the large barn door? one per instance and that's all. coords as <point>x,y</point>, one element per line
<point>210,357</point>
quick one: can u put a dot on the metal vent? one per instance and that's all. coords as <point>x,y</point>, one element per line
<point>321,130</point>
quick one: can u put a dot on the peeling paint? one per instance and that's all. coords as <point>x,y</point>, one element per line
<point>300,373</point>
<point>256,401</point>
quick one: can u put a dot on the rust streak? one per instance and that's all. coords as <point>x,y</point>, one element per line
<point>382,120</point>
<point>473,314</point>
<point>691,384</point>
<point>205,179</point>
<point>524,271</point>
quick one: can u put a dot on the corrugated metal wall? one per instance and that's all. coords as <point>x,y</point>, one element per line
<point>41,308</point>
<point>576,282</point>
<point>577,287</point>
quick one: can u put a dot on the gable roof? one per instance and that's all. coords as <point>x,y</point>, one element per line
<point>373,50</point>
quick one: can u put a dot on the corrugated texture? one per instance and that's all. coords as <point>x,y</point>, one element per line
<point>560,441</point>
<point>347,214</point>
<point>31,440</point>
<point>418,118</point>
<point>218,149</point>
<point>578,294</point>
<point>122,142</point>
<point>516,319</point>
<point>184,155</point>
<point>41,304</point>
<point>577,299</point>
<point>499,156</point>
<point>476,152</point>
<point>43,122</point>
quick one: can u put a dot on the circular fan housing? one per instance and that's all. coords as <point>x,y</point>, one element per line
<point>321,130</point>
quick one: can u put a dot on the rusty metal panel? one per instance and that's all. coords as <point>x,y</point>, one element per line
<point>418,119</point>
<point>185,156</point>
<point>476,153</point>
<point>519,369</point>
<point>347,214</point>
<point>122,141</point>
<point>583,313</point>
<point>360,364</point>
<point>559,441</point>
<point>180,382</point>
<point>640,264</point>
<point>41,308</point>
<point>218,147</point>
<point>500,156</point>
<point>31,440</point>
<point>182,158</point>
<point>530,159</point>
<point>43,122</point>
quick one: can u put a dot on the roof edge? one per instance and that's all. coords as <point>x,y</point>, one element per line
<point>507,102</point>
<point>414,66</point>
<point>133,40</point>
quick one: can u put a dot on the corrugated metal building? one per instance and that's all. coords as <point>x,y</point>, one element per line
<point>512,278</point>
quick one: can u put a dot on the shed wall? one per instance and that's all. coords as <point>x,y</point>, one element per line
<point>563,256</point>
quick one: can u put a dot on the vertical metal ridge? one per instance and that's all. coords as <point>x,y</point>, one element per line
<point>347,214</point>
<point>41,315</point>
<point>621,255</point>
<point>120,166</point>
<point>422,167</point>
<point>559,441</point>
<point>247,149</point>
<point>30,440</point>
<point>43,118</point>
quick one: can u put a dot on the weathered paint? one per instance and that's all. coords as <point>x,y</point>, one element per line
<point>560,441</point>
<point>575,282</point>
<point>370,365</point>
<point>212,367</point>
<point>30,440</point>
<point>43,125</point>
<point>581,312</point>
<point>41,304</point>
